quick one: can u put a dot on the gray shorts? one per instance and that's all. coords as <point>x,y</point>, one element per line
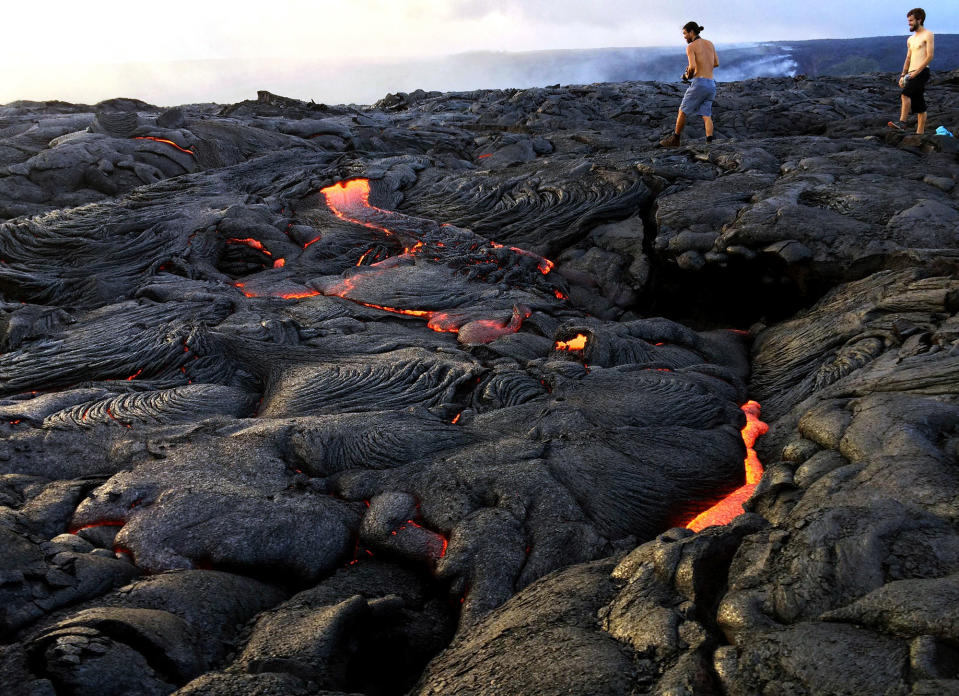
<point>698,100</point>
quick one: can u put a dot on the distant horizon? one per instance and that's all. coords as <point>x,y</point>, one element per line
<point>291,77</point>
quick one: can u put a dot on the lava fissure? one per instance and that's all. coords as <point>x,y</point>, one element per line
<point>730,507</point>
<point>165,142</point>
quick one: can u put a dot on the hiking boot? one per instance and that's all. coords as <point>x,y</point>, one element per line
<point>671,140</point>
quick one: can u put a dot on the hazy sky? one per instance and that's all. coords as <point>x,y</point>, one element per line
<point>88,51</point>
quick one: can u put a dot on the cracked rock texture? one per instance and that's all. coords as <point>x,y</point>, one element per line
<point>419,397</point>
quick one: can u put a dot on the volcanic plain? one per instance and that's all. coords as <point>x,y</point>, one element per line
<point>481,393</point>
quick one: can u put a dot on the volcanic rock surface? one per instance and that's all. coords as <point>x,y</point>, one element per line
<point>421,397</point>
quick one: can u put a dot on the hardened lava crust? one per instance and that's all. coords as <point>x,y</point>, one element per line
<point>481,393</point>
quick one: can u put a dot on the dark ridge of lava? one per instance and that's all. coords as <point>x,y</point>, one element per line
<point>460,394</point>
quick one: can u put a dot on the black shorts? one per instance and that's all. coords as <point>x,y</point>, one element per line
<point>915,89</point>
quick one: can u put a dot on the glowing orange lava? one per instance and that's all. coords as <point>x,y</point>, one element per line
<point>163,140</point>
<point>349,197</point>
<point>731,507</point>
<point>363,257</point>
<point>544,265</point>
<point>103,523</point>
<point>578,343</point>
<point>114,418</point>
<point>294,295</point>
<point>250,242</point>
<point>443,322</point>
<point>394,310</point>
<point>350,201</point>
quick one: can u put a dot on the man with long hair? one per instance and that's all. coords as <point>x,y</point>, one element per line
<point>698,100</point>
<point>915,71</point>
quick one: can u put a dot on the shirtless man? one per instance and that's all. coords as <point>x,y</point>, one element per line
<point>915,71</point>
<point>698,100</point>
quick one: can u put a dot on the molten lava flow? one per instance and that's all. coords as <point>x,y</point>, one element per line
<point>577,343</point>
<point>163,140</point>
<point>350,201</point>
<point>544,265</point>
<point>488,330</point>
<point>102,523</point>
<point>279,263</point>
<point>348,198</point>
<point>394,310</point>
<point>112,417</point>
<point>363,257</point>
<point>444,323</point>
<point>731,507</point>
<point>135,375</point>
<point>294,295</point>
<point>299,295</point>
<point>250,242</point>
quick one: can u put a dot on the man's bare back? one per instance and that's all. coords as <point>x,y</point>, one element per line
<point>702,58</point>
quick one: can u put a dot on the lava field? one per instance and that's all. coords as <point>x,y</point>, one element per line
<point>481,393</point>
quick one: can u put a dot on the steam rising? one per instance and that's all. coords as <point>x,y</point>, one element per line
<point>341,81</point>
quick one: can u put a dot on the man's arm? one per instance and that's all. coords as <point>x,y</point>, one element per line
<point>691,55</point>
<point>930,49</point>
<point>715,58</point>
<point>905,66</point>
